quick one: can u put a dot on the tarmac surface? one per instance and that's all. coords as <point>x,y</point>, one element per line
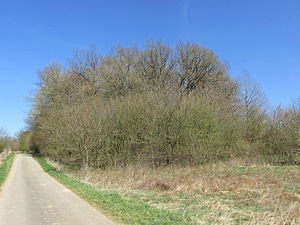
<point>30,196</point>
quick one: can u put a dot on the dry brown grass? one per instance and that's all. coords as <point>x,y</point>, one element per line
<point>245,194</point>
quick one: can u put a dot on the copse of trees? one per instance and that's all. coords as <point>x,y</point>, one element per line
<point>156,106</point>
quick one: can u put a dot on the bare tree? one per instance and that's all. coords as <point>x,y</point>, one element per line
<point>3,133</point>
<point>118,74</point>
<point>198,66</point>
<point>84,64</point>
<point>253,106</point>
<point>157,65</point>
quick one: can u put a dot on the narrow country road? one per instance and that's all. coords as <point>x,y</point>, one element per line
<point>31,197</point>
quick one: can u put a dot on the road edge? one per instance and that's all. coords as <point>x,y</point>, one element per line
<point>105,213</point>
<point>119,209</point>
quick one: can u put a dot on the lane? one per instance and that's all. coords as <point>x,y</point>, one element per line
<point>31,197</point>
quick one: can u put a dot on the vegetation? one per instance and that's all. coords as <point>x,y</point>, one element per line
<point>128,211</point>
<point>3,139</point>
<point>5,166</point>
<point>24,142</point>
<point>168,137</point>
<point>155,106</point>
<point>7,143</point>
<point>223,193</point>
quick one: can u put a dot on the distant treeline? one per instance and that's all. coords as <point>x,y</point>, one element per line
<point>155,106</point>
<point>3,139</point>
<point>7,142</point>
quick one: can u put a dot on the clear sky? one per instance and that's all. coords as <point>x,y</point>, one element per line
<point>260,36</point>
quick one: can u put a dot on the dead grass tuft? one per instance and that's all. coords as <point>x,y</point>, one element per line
<point>289,215</point>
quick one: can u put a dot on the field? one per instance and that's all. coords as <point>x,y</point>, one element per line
<point>224,193</point>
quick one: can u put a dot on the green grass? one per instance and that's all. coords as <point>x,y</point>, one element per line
<point>125,210</point>
<point>5,167</point>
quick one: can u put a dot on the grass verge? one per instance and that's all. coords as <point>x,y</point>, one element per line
<point>5,167</point>
<point>118,206</point>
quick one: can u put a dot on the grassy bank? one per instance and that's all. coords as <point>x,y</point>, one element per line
<point>128,211</point>
<point>216,194</point>
<point>5,166</point>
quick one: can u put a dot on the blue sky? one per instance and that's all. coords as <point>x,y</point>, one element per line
<point>260,36</point>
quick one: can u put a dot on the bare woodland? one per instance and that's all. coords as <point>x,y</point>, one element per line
<point>155,106</point>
